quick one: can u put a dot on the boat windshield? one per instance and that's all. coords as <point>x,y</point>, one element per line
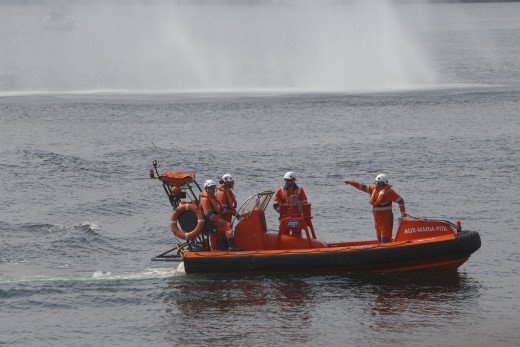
<point>257,202</point>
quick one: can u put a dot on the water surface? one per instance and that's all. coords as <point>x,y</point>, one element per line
<point>79,220</point>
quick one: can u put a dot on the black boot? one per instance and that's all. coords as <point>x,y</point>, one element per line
<point>233,245</point>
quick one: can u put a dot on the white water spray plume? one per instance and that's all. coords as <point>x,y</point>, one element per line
<point>157,45</point>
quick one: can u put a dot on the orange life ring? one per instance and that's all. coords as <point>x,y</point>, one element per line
<point>175,215</point>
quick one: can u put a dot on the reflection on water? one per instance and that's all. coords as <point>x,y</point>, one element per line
<point>234,308</point>
<point>421,299</point>
<point>396,292</point>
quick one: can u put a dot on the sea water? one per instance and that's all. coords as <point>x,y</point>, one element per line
<point>80,220</point>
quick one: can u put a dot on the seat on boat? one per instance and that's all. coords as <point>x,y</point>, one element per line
<point>293,221</point>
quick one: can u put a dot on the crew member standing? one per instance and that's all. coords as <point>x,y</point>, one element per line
<point>381,197</point>
<point>227,198</point>
<point>213,211</point>
<point>290,188</point>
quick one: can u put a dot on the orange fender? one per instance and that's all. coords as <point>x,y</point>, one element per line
<point>180,210</point>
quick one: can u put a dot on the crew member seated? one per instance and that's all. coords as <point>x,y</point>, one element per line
<point>222,238</point>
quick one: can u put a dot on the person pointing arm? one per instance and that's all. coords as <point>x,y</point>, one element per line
<point>381,197</point>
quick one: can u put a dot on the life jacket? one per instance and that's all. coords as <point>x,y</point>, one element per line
<point>285,196</point>
<point>231,201</point>
<point>377,196</point>
<point>215,205</point>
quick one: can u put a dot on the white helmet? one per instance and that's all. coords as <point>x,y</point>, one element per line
<point>210,183</point>
<point>227,178</point>
<point>289,176</point>
<point>382,178</point>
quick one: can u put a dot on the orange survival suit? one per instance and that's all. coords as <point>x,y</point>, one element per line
<point>381,201</point>
<point>213,210</point>
<point>282,195</point>
<point>228,201</point>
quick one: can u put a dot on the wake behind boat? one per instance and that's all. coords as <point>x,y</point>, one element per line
<point>418,244</point>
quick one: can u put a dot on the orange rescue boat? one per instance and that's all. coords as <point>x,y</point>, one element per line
<point>418,243</point>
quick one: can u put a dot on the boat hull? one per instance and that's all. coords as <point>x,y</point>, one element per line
<point>432,253</point>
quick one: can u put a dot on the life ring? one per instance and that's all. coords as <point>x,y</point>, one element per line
<point>180,210</point>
